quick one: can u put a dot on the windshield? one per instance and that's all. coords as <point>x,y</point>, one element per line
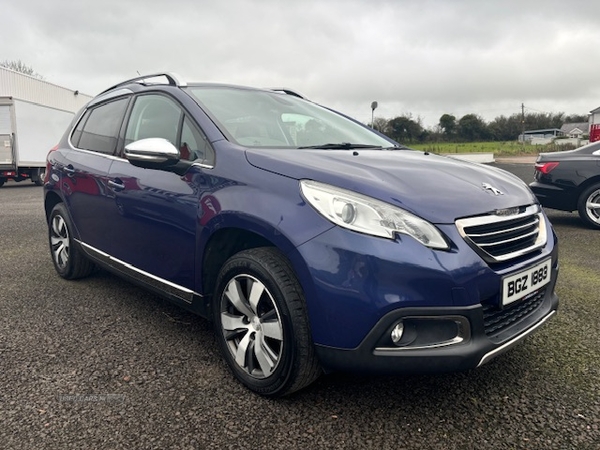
<point>255,118</point>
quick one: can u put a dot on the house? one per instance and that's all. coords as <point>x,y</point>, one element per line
<point>574,130</point>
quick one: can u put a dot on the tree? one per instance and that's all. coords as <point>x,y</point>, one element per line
<point>20,66</point>
<point>380,124</point>
<point>542,120</point>
<point>471,127</point>
<point>576,118</point>
<point>504,128</point>
<point>448,124</point>
<point>404,129</point>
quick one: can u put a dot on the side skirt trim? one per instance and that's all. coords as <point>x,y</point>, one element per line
<point>127,269</point>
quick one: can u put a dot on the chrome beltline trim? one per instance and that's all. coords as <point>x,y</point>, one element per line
<point>513,341</point>
<point>182,292</point>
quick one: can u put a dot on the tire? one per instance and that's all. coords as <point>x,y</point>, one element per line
<point>69,260</point>
<point>261,323</point>
<point>2,181</point>
<point>589,206</point>
<point>38,178</point>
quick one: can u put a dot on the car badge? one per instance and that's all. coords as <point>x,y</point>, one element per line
<point>492,189</point>
<point>507,212</point>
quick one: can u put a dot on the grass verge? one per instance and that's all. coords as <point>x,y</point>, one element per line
<point>497,148</point>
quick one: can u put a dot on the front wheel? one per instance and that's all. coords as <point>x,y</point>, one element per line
<point>261,323</point>
<point>2,181</point>
<point>589,206</point>
<point>69,261</point>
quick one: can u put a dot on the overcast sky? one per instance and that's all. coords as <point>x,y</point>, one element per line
<point>421,57</point>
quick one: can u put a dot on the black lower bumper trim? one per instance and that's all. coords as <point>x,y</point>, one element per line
<point>471,353</point>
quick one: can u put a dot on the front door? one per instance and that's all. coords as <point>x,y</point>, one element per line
<point>158,210</point>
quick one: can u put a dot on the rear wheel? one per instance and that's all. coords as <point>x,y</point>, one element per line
<point>589,206</point>
<point>69,261</point>
<point>261,323</point>
<point>2,181</point>
<point>38,177</point>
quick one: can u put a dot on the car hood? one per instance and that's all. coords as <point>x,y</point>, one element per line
<point>437,188</point>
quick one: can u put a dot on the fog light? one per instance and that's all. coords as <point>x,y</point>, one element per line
<point>397,332</point>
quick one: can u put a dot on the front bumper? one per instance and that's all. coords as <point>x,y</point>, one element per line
<point>480,347</point>
<point>359,288</point>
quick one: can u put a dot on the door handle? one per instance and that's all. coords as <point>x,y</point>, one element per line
<point>117,184</point>
<point>70,170</point>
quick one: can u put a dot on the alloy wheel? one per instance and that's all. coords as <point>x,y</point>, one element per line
<point>59,241</point>
<point>592,206</point>
<point>251,325</point>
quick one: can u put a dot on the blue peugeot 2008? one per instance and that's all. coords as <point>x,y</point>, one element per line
<point>313,242</point>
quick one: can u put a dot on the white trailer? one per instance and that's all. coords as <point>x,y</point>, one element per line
<point>34,114</point>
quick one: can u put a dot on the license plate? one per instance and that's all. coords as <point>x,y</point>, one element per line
<point>519,285</point>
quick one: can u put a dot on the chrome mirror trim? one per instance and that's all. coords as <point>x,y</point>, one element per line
<point>156,150</point>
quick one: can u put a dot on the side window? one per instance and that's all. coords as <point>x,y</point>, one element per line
<point>153,116</point>
<point>101,129</point>
<point>194,146</point>
<point>156,116</point>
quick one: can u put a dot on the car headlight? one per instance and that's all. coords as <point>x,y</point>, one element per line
<point>367,215</point>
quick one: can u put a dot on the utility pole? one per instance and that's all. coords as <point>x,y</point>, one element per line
<point>523,123</point>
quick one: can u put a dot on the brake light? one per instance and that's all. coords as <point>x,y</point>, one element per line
<point>546,167</point>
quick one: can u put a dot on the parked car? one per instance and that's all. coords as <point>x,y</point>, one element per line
<point>570,181</point>
<point>313,242</point>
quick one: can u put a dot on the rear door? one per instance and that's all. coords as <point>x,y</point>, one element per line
<point>85,172</point>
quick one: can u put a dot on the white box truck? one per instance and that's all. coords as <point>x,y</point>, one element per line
<point>34,114</point>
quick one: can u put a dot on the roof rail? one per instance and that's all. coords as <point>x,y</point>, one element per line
<point>172,79</point>
<point>288,92</point>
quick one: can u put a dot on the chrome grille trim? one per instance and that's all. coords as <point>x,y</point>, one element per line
<point>511,240</point>
<point>502,231</point>
<point>502,238</point>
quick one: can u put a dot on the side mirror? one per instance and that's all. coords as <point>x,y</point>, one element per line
<point>152,153</point>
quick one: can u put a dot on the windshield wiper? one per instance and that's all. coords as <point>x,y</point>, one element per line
<point>341,146</point>
<point>396,147</point>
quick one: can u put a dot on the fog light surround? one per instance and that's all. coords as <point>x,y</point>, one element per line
<point>425,332</point>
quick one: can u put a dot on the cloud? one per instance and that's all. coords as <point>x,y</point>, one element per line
<point>419,57</point>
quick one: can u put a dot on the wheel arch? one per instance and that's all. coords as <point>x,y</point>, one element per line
<point>225,241</point>
<point>52,199</point>
<point>586,184</point>
<point>221,245</point>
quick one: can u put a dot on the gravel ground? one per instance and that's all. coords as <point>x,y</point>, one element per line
<point>100,363</point>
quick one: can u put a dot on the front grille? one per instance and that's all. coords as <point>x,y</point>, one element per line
<point>497,320</point>
<point>500,238</point>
